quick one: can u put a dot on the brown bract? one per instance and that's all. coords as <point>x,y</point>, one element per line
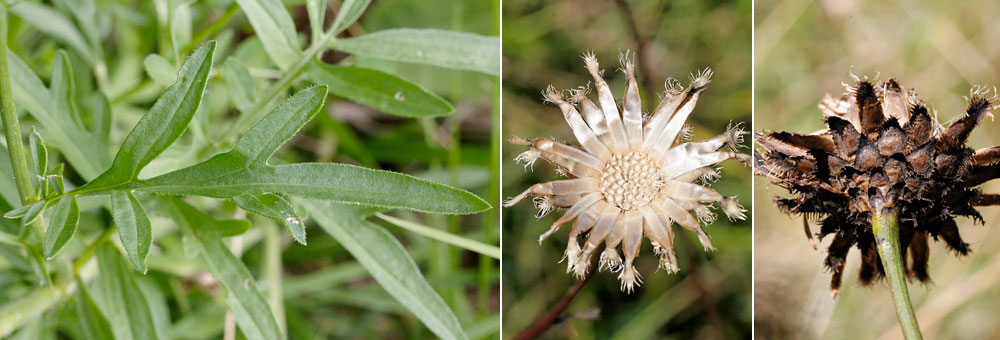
<point>630,176</point>
<point>882,150</point>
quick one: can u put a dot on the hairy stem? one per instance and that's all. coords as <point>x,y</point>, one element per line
<point>886,231</point>
<point>12,129</point>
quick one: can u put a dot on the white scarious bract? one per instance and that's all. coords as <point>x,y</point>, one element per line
<point>630,176</point>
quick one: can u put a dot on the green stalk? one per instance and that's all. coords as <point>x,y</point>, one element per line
<point>271,268</point>
<point>886,231</point>
<point>12,129</point>
<point>279,87</point>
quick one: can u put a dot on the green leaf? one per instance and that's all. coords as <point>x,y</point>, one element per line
<point>317,13</point>
<point>277,208</point>
<point>448,49</point>
<point>244,171</point>
<point>245,300</point>
<point>350,11</point>
<point>240,84</point>
<point>133,227</point>
<point>39,153</point>
<point>62,220</point>
<point>121,299</point>
<point>87,154</point>
<point>388,262</point>
<point>89,315</point>
<point>53,23</point>
<point>275,28</point>
<point>385,92</point>
<point>164,122</point>
<point>26,210</point>
<point>33,212</point>
<point>162,71</point>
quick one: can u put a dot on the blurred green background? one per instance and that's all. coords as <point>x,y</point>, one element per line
<point>542,44</point>
<point>806,48</point>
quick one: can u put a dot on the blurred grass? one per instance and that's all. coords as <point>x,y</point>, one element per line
<point>804,49</point>
<point>542,44</point>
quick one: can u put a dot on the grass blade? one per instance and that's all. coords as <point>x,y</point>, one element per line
<point>443,236</point>
<point>62,225</point>
<point>448,49</point>
<point>275,28</point>
<point>91,319</point>
<point>385,92</point>
<point>388,262</point>
<point>245,301</point>
<point>133,227</point>
<point>121,299</point>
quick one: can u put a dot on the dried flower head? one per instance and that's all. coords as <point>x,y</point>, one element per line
<point>882,150</point>
<point>629,178</point>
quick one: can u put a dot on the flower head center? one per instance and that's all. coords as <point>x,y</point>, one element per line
<point>630,181</point>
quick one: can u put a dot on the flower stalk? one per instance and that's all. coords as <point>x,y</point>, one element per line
<point>886,230</point>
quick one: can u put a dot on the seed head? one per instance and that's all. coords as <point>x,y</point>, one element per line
<point>882,150</point>
<point>631,175</point>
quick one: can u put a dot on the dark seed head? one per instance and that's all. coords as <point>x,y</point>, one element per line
<point>882,151</point>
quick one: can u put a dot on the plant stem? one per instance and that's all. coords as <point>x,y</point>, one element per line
<point>279,87</point>
<point>12,129</point>
<point>550,318</point>
<point>271,268</point>
<point>886,231</point>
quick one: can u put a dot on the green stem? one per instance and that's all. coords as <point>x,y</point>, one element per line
<point>272,272</point>
<point>886,231</point>
<point>279,87</point>
<point>212,29</point>
<point>12,129</point>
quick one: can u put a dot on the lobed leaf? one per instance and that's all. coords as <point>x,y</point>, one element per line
<point>248,305</point>
<point>133,226</point>
<point>388,262</point>
<point>448,49</point>
<point>244,170</point>
<point>275,28</point>
<point>385,92</point>
<point>162,125</point>
<point>350,11</point>
<point>62,222</point>
<point>277,208</point>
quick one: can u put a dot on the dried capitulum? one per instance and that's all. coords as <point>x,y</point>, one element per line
<point>631,176</point>
<point>882,150</point>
